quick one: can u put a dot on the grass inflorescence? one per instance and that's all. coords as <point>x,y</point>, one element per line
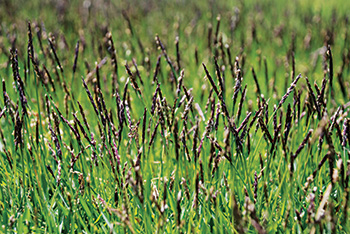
<point>140,118</point>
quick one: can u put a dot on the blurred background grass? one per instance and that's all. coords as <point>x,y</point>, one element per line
<point>273,22</point>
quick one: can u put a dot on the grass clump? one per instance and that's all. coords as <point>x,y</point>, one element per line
<point>141,117</point>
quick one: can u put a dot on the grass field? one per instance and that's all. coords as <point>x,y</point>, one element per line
<point>174,116</point>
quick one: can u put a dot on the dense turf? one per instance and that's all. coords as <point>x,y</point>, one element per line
<point>174,116</point>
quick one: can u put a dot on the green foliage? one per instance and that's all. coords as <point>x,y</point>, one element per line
<point>174,116</point>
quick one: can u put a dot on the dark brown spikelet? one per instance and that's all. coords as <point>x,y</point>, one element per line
<point>50,170</point>
<point>177,54</point>
<point>201,171</point>
<point>57,122</point>
<point>220,78</point>
<point>223,55</point>
<point>334,121</point>
<point>324,159</point>
<point>55,140</point>
<point>74,158</point>
<point>128,114</point>
<point>99,105</point>
<point>77,121</point>
<point>40,74</point>
<point>296,105</point>
<point>179,84</point>
<point>210,32</point>
<point>98,80</point>
<point>244,122</point>
<point>196,56</point>
<point>266,76</point>
<point>160,95</point>
<point>53,153</point>
<point>187,109</point>
<point>176,139</point>
<point>90,96</point>
<point>255,117</point>
<point>154,99</point>
<point>76,54</point>
<point>288,123</point>
<point>320,98</point>
<point>84,117</point>
<point>217,117</point>
<point>330,74</point>
<point>178,208</point>
<point>216,36</point>
<point>162,47</point>
<point>113,54</point>
<point>65,103</point>
<point>266,105</point>
<point>230,61</point>
<point>75,131</point>
<point>256,83</point>
<point>48,105</point>
<point>137,70</point>
<point>187,96</point>
<point>39,31</point>
<point>277,128</point>
<point>261,165</point>
<point>255,185</point>
<point>65,88</point>
<point>265,130</point>
<point>156,70</point>
<point>318,91</point>
<point>104,111</point>
<point>339,132</point>
<point>341,84</point>
<point>210,103</point>
<point>18,130</point>
<point>122,106</point>
<point>163,113</point>
<point>345,133</point>
<point>313,97</point>
<point>329,141</point>
<point>237,86</point>
<point>303,143</point>
<point>241,104</point>
<point>133,80</point>
<point>183,138</point>
<point>290,89</point>
<point>49,78</point>
<point>18,81</point>
<point>154,134</point>
<point>8,157</point>
<point>30,48</point>
<point>120,109</point>
<point>223,105</point>
<point>211,80</point>
<point>144,126</point>
<point>55,54</point>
